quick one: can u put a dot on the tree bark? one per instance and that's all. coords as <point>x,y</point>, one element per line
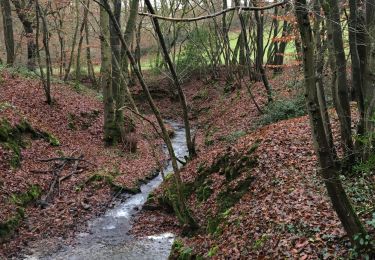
<point>332,10</point>
<point>23,13</point>
<point>181,95</point>
<point>8,31</point>
<point>181,208</point>
<point>328,170</point>
<point>46,78</point>
<point>71,57</point>
<point>106,78</point>
<point>356,69</point>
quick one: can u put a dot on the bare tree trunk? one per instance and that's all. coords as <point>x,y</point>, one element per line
<point>328,170</point>
<point>71,57</point>
<point>8,31</point>
<point>181,207</point>
<point>46,80</point>
<point>106,78</point>
<point>356,69</point>
<point>81,33</point>
<point>23,8</point>
<point>332,10</point>
<point>90,67</point>
<point>247,55</point>
<point>181,95</point>
<point>259,57</point>
<point>369,76</point>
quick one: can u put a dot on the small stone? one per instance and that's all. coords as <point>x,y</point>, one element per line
<point>85,206</point>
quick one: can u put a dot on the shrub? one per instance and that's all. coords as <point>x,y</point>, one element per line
<point>283,109</point>
<point>193,56</point>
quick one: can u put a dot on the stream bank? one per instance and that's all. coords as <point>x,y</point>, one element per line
<point>108,236</point>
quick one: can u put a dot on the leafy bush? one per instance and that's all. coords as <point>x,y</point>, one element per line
<point>193,55</point>
<point>283,109</point>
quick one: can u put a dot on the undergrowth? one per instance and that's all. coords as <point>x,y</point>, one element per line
<point>283,109</point>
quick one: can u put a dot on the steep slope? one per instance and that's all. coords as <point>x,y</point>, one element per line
<point>254,190</point>
<point>73,128</point>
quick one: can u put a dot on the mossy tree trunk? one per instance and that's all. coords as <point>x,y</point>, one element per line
<point>117,83</point>
<point>106,78</point>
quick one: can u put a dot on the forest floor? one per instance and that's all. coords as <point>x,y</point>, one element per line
<point>254,188</point>
<point>279,206</point>
<point>84,188</point>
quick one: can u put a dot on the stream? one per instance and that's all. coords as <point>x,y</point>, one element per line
<point>107,237</point>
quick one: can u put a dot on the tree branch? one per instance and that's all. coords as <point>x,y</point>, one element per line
<point>192,19</point>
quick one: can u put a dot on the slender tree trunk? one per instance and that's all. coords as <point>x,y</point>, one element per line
<point>247,56</point>
<point>332,10</point>
<point>369,76</point>
<point>71,57</point>
<point>181,95</point>
<point>81,33</point>
<point>46,78</point>
<point>8,31</point>
<point>356,68</point>
<point>117,85</point>
<point>259,57</point>
<point>328,170</point>
<point>90,67</point>
<point>181,207</point>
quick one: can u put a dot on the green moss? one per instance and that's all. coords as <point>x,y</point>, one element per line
<point>109,179</point>
<point>212,252</point>
<point>52,140</point>
<point>181,252</point>
<point>204,191</point>
<point>11,138</point>
<point>71,121</point>
<point>8,227</point>
<point>22,199</point>
<point>230,196</point>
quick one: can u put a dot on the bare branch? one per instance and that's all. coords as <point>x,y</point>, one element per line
<point>192,19</point>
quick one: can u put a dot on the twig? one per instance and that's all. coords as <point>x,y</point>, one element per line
<point>144,118</point>
<point>65,159</point>
<point>40,171</point>
<point>74,171</point>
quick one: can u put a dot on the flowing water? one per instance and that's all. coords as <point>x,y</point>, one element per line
<point>107,237</point>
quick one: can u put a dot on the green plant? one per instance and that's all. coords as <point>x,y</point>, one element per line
<point>364,248</point>
<point>213,250</point>
<point>5,105</point>
<point>193,56</point>
<point>22,199</point>
<point>233,137</point>
<point>259,243</point>
<point>283,109</point>
<point>372,221</point>
<point>201,94</point>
